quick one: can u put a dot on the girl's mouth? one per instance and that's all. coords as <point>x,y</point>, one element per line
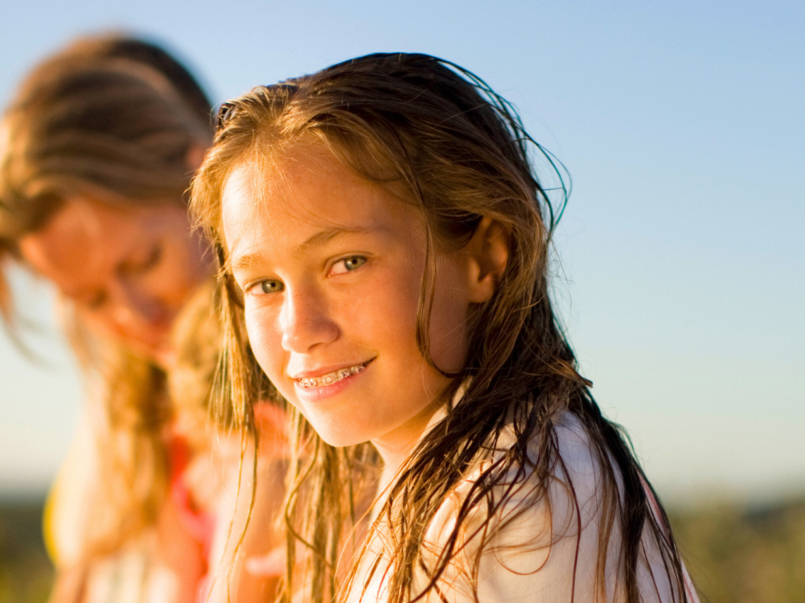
<point>330,378</point>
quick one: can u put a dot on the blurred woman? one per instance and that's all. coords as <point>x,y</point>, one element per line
<point>97,149</point>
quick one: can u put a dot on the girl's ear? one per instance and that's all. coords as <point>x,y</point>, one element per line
<point>487,253</point>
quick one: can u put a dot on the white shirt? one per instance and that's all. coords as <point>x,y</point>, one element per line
<point>546,551</point>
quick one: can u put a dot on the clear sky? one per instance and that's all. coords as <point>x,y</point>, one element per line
<point>682,259</point>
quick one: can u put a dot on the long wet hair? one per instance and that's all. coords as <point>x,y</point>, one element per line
<point>440,138</point>
<point>110,117</point>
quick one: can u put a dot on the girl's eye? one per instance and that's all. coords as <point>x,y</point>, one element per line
<point>267,286</point>
<point>348,264</point>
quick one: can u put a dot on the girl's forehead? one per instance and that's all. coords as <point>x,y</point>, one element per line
<point>282,170</point>
<point>299,191</point>
<point>294,181</point>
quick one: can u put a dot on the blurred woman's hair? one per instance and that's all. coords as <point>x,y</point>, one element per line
<point>152,55</point>
<point>113,118</point>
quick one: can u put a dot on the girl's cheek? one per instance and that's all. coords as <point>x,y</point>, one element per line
<point>265,339</point>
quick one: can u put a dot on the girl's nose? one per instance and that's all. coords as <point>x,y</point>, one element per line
<point>305,322</point>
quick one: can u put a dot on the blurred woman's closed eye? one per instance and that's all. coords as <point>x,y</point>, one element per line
<point>143,265</point>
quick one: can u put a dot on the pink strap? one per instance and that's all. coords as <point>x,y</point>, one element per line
<point>199,524</point>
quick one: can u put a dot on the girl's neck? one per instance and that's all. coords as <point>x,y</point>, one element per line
<point>396,447</point>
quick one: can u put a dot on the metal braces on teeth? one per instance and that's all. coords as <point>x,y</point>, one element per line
<point>329,378</point>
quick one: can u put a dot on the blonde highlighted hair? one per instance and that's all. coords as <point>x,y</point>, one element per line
<point>112,118</point>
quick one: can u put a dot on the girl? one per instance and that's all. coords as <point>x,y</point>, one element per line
<point>97,150</point>
<point>384,242</point>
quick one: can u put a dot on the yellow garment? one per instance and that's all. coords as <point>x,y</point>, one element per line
<point>48,522</point>
<point>68,507</point>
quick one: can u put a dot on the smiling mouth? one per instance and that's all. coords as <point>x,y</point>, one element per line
<point>330,378</point>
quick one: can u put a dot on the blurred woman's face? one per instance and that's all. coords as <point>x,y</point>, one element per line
<point>128,269</point>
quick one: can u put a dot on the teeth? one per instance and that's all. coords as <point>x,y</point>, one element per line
<point>331,378</point>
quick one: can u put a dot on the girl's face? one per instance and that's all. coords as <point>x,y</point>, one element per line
<point>331,269</point>
<point>129,270</point>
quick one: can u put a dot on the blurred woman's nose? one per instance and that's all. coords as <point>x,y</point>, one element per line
<point>305,321</point>
<point>134,308</point>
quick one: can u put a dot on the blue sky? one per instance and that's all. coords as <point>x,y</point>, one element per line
<point>681,261</point>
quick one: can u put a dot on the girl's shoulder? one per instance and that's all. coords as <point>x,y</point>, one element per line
<point>516,489</point>
<point>575,474</point>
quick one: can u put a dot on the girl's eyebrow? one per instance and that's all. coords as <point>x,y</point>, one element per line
<point>244,262</point>
<point>319,239</point>
<point>323,237</point>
